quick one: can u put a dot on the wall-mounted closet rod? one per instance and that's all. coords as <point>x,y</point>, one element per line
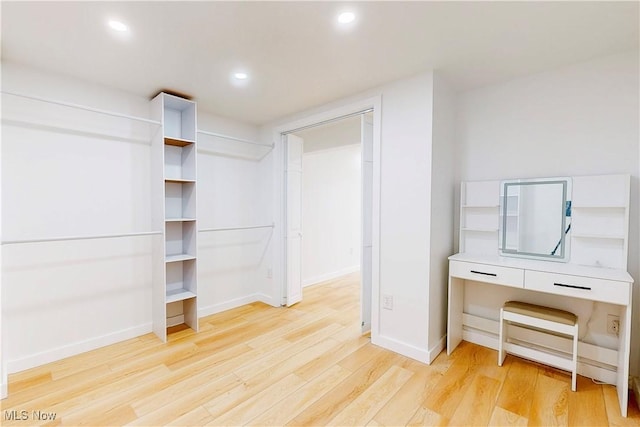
<point>246,141</point>
<point>82,107</point>
<point>236,228</point>
<point>326,122</point>
<point>99,236</point>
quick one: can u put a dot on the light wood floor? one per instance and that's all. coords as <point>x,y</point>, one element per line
<point>307,365</point>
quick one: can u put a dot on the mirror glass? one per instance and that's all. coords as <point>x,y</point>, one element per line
<point>535,218</point>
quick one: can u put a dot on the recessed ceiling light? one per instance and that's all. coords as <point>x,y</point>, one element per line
<point>346,17</point>
<point>241,76</point>
<point>118,26</point>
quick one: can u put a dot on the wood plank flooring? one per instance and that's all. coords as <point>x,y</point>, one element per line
<point>303,366</point>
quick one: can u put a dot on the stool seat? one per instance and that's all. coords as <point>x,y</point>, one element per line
<point>542,319</point>
<point>541,312</point>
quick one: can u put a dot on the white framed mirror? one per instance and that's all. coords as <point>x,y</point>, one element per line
<point>535,218</point>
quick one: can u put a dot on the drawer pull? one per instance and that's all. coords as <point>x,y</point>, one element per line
<point>586,288</point>
<point>484,274</point>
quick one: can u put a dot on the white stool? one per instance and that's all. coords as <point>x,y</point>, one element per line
<point>540,317</point>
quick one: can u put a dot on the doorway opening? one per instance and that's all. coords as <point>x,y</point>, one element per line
<point>329,208</point>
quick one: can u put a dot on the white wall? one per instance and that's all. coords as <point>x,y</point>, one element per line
<point>3,369</point>
<point>68,172</point>
<point>229,262</point>
<point>331,211</point>
<point>332,135</point>
<point>576,120</point>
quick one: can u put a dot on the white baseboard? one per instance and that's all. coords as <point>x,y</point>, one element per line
<point>68,350</point>
<point>408,350</point>
<point>62,352</point>
<point>274,302</point>
<point>366,328</point>
<point>328,276</point>
<point>3,390</point>
<point>236,302</point>
<point>437,349</point>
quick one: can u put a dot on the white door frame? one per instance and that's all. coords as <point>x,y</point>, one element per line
<point>279,187</point>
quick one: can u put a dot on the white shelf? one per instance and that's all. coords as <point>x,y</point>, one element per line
<point>481,230</point>
<point>179,219</point>
<point>479,206</point>
<point>179,257</point>
<point>180,180</point>
<point>178,295</point>
<point>178,142</point>
<point>596,207</point>
<point>597,236</point>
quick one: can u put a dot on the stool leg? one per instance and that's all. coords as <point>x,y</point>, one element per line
<point>501,354</point>
<point>574,372</point>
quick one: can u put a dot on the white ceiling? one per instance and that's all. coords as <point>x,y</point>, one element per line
<point>294,52</point>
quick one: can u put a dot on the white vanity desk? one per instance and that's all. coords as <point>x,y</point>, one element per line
<point>480,281</point>
<point>591,283</point>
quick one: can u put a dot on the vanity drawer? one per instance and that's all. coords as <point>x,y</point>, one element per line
<point>505,276</point>
<point>577,286</point>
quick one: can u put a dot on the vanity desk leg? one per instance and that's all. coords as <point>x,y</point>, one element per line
<point>454,313</point>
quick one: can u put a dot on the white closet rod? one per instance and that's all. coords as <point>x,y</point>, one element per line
<point>236,228</point>
<point>326,122</point>
<point>99,236</point>
<point>245,141</point>
<point>82,107</point>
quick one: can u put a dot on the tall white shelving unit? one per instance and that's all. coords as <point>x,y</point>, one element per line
<point>175,290</point>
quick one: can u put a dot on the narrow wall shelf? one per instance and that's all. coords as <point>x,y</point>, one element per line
<point>596,207</point>
<point>179,219</point>
<point>179,180</point>
<point>598,236</point>
<point>176,295</point>
<point>178,142</point>
<point>179,257</point>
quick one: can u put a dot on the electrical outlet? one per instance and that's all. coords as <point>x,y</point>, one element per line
<point>269,273</point>
<point>387,302</point>
<point>613,324</point>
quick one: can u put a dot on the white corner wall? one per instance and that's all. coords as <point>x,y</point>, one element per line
<point>405,215</point>
<point>443,190</point>
<point>331,211</point>
<point>577,120</point>
<point>68,172</point>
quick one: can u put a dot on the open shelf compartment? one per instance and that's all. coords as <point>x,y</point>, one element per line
<point>180,240</point>
<point>181,281</point>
